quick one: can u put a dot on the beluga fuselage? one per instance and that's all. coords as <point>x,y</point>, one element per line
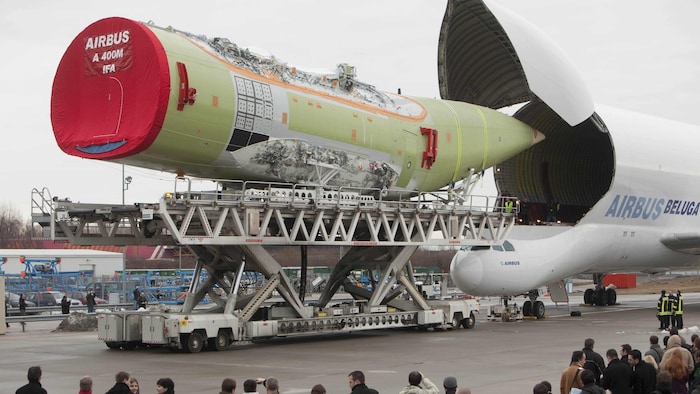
<point>606,191</point>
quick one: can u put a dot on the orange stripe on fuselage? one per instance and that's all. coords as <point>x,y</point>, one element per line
<point>274,80</point>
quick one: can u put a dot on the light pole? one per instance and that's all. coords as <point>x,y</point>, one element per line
<point>126,181</point>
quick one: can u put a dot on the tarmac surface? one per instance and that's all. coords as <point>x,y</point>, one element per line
<point>494,357</point>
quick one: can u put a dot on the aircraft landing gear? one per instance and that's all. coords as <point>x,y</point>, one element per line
<point>504,311</point>
<point>532,307</point>
<point>599,296</point>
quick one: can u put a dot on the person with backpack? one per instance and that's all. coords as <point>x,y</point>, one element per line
<point>594,361</point>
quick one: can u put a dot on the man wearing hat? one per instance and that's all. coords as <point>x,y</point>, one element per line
<point>450,385</point>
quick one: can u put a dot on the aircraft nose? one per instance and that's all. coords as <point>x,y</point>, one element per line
<point>467,271</point>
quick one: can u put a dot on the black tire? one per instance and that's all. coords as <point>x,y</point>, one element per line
<point>588,297</point>
<point>600,297</point>
<point>222,340</point>
<point>193,342</point>
<point>469,322</point>
<point>113,345</point>
<point>539,311</point>
<point>612,296</point>
<point>527,308</point>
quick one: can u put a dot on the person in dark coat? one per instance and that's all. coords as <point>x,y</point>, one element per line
<point>65,305</point>
<point>34,385</point>
<point>594,361</point>
<point>90,301</point>
<point>618,376</point>
<point>356,381</point>
<point>22,305</point>
<point>589,385</point>
<point>644,380</point>
<point>122,384</point>
<point>141,301</point>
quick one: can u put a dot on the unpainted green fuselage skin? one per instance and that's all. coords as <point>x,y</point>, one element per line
<point>247,125</point>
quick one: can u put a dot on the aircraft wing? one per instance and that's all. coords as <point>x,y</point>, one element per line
<point>683,242</point>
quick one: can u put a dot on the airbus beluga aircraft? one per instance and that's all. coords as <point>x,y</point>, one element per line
<point>620,189</point>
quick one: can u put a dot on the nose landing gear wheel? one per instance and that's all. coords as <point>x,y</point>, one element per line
<point>539,309</point>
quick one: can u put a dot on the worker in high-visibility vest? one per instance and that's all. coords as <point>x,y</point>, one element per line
<point>677,311</point>
<point>663,311</point>
<point>509,206</point>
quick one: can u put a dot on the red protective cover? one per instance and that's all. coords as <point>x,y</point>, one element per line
<point>110,93</point>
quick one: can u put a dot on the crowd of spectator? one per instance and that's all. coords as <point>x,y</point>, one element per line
<point>127,384</point>
<point>671,369</point>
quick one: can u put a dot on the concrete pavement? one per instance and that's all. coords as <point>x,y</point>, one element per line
<point>494,357</point>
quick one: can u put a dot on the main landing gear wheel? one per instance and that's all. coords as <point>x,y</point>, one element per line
<point>599,297</point>
<point>527,308</point>
<point>539,309</point>
<point>612,296</point>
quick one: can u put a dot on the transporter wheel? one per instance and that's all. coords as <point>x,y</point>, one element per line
<point>222,340</point>
<point>612,296</point>
<point>456,321</point>
<point>469,322</point>
<point>588,297</point>
<point>113,345</point>
<point>193,342</point>
<point>527,308</point>
<point>539,309</point>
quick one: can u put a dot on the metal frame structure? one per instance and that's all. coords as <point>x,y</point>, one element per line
<point>229,229</point>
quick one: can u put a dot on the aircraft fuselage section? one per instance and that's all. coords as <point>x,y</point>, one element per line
<point>206,108</point>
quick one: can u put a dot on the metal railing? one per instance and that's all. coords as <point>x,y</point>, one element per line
<point>38,310</point>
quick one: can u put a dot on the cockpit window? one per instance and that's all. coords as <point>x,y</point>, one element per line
<point>497,247</point>
<point>508,246</point>
<point>475,248</point>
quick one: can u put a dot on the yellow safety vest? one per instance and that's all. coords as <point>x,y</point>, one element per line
<point>509,206</point>
<point>678,305</point>
<point>664,309</point>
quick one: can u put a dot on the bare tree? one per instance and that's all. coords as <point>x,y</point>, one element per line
<point>13,227</point>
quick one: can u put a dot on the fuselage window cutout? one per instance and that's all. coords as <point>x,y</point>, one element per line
<point>497,247</point>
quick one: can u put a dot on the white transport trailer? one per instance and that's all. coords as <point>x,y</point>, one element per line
<point>236,229</point>
<point>191,332</point>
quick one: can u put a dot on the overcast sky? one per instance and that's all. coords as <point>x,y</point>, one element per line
<point>642,55</point>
